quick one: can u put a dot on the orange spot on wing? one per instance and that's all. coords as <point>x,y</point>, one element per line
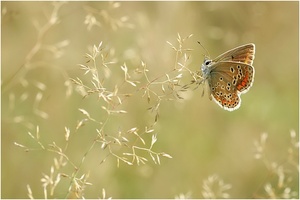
<point>244,82</point>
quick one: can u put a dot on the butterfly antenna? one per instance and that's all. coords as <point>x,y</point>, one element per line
<point>204,49</point>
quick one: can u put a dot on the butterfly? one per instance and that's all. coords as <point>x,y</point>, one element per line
<point>229,75</point>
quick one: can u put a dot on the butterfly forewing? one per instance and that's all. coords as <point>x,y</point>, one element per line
<point>244,54</point>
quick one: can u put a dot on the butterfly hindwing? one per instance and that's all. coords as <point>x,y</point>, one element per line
<point>228,80</point>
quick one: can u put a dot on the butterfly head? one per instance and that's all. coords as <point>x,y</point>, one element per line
<point>205,67</point>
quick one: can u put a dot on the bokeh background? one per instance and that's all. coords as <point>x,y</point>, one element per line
<point>202,138</point>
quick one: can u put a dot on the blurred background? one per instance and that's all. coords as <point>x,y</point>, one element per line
<point>202,138</point>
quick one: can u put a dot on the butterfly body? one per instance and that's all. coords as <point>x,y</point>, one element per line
<point>230,75</point>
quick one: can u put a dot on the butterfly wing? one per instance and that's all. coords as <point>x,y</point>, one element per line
<point>228,80</point>
<point>243,54</point>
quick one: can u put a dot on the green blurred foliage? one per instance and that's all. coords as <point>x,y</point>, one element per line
<point>202,138</point>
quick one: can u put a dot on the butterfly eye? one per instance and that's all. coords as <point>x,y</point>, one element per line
<point>207,62</point>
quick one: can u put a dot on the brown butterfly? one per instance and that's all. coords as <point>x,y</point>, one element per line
<point>229,75</point>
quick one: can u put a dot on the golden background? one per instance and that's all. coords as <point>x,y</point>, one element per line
<point>202,138</point>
